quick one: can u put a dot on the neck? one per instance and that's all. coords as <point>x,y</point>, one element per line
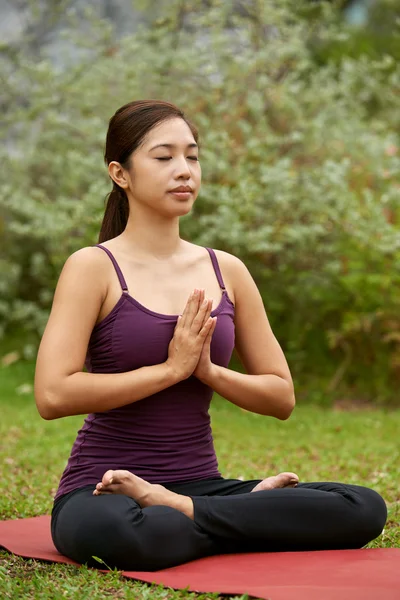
<point>155,237</point>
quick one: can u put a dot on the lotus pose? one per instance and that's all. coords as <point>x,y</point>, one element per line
<point>155,318</point>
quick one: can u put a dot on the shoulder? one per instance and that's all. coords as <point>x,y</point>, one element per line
<point>88,267</point>
<point>233,266</point>
<point>87,258</point>
<point>229,261</point>
<point>235,274</point>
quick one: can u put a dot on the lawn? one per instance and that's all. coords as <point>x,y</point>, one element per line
<point>359,447</point>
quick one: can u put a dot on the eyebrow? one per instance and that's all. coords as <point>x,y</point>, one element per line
<point>172,146</point>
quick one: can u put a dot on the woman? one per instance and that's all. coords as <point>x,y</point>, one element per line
<point>155,319</point>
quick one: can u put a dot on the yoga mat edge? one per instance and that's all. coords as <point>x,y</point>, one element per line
<point>320,575</point>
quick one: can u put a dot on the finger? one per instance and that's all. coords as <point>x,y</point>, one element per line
<point>211,331</point>
<point>202,316</point>
<point>178,323</point>
<point>205,308</point>
<point>183,316</point>
<point>208,309</point>
<point>205,330</point>
<point>202,300</point>
<point>215,319</point>
<point>193,307</point>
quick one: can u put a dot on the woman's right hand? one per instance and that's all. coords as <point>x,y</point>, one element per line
<point>190,332</point>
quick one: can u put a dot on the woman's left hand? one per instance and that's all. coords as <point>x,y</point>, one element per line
<point>204,366</point>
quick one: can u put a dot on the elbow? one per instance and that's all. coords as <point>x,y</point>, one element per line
<point>285,413</point>
<point>46,411</point>
<point>286,407</point>
<point>46,403</point>
<point>46,414</point>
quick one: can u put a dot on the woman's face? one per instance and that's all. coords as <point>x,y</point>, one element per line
<point>165,173</point>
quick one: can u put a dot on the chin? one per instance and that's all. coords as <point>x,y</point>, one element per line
<point>183,209</point>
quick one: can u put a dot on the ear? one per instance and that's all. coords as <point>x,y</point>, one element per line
<point>118,174</point>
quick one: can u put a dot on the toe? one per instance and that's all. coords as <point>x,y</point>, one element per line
<point>108,477</point>
<point>287,479</point>
<point>123,476</point>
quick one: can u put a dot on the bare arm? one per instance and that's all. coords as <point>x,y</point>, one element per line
<point>266,387</point>
<point>82,393</point>
<point>61,388</point>
<point>265,394</point>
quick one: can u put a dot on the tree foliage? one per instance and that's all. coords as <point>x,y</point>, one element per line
<point>300,162</point>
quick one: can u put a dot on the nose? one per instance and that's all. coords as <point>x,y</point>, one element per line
<point>182,169</point>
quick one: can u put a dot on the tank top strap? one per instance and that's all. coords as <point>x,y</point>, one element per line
<point>116,266</point>
<point>216,267</point>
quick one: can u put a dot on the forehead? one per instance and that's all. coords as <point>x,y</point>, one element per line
<point>173,131</point>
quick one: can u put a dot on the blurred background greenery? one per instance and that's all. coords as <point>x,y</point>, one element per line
<point>298,106</point>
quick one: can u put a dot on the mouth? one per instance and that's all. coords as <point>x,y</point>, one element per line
<point>183,192</point>
<point>181,188</point>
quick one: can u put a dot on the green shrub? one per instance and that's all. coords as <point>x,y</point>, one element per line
<point>300,170</point>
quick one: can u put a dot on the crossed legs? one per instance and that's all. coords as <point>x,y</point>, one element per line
<point>211,517</point>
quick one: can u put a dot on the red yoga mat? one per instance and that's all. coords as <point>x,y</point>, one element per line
<point>325,575</point>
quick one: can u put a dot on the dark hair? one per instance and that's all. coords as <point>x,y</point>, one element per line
<point>126,131</point>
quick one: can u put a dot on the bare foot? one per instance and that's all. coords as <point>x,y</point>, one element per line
<point>145,493</point>
<point>277,481</point>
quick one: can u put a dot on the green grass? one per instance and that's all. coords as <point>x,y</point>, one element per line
<point>356,447</point>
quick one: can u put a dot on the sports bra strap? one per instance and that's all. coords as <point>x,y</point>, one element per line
<point>216,268</point>
<point>118,270</point>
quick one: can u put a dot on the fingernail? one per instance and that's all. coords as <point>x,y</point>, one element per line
<point>111,480</point>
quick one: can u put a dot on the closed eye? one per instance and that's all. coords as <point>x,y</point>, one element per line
<point>196,158</point>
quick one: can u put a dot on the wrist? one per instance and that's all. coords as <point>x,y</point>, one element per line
<point>208,377</point>
<point>171,374</point>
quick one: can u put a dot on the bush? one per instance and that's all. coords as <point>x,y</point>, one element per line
<point>300,170</point>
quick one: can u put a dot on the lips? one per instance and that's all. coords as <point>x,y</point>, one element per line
<point>182,188</point>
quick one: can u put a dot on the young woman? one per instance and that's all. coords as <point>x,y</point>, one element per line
<point>155,319</point>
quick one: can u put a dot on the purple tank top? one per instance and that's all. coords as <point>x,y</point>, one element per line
<point>167,436</point>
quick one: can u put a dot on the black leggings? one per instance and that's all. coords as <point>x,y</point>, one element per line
<point>227,518</point>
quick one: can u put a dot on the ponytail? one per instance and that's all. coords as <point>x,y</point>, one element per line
<point>115,216</point>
